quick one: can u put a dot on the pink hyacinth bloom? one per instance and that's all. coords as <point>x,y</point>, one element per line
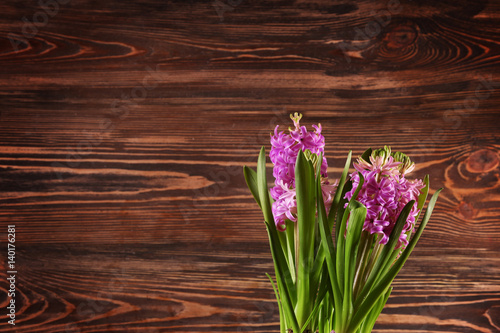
<point>283,154</point>
<point>385,192</point>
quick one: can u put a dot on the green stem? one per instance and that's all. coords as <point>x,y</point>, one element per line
<point>366,244</point>
<point>373,259</point>
<point>296,230</point>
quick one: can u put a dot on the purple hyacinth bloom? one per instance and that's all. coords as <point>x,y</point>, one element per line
<point>385,192</point>
<point>283,154</point>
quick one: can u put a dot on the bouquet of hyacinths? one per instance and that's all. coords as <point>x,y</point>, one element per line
<point>336,246</point>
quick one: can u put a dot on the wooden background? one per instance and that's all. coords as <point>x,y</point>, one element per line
<point>124,127</point>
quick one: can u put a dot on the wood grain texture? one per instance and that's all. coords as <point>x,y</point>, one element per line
<point>124,127</point>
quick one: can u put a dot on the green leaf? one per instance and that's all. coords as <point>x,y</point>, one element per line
<point>290,247</point>
<point>265,201</point>
<point>318,248</point>
<point>318,166</point>
<point>375,313</point>
<point>306,211</point>
<point>330,255</point>
<point>389,249</point>
<point>280,307</point>
<point>339,192</point>
<point>282,276</point>
<point>318,262</point>
<point>370,320</point>
<point>357,218</point>
<point>251,180</point>
<point>422,198</point>
<point>342,207</point>
<point>423,194</point>
<point>321,294</point>
<point>366,155</point>
<point>284,245</point>
<point>341,239</point>
<point>317,238</point>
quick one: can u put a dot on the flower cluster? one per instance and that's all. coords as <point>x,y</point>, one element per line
<point>385,192</point>
<point>283,154</point>
<point>345,272</point>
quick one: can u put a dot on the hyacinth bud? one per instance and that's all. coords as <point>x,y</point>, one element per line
<point>406,165</point>
<point>384,153</point>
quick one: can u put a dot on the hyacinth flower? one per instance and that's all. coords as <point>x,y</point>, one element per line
<point>283,154</point>
<point>374,223</point>
<point>290,215</point>
<point>337,246</point>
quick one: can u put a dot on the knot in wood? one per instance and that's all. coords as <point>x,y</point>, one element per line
<point>401,35</point>
<point>483,160</point>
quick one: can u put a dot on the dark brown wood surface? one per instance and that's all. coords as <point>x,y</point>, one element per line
<point>124,126</point>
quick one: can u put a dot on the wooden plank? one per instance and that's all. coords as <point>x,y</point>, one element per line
<point>124,128</point>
